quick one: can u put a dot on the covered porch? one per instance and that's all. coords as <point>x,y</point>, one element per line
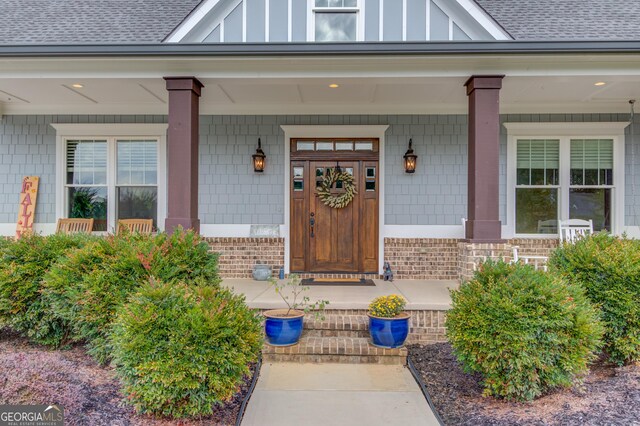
<point>465,111</point>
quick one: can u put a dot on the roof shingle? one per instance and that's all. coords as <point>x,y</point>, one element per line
<point>567,19</point>
<point>90,21</point>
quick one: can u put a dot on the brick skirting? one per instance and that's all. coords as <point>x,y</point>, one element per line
<point>239,255</point>
<point>422,258</point>
<point>410,258</point>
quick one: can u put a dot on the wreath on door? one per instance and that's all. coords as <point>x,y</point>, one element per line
<point>337,201</point>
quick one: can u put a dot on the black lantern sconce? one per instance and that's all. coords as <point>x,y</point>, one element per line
<point>259,159</point>
<point>410,159</point>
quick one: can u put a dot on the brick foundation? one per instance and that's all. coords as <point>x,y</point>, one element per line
<point>470,255</point>
<point>422,258</point>
<point>239,255</point>
<point>410,258</point>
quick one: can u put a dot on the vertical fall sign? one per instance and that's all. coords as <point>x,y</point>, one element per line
<point>27,210</point>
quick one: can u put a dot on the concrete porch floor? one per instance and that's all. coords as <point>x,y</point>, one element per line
<point>420,294</point>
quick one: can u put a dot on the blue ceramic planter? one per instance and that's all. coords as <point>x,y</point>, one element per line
<point>280,330</point>
<point>389,333</point>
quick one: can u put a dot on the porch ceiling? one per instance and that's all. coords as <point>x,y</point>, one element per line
<point>312,95</point>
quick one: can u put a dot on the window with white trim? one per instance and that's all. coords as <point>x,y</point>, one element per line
<point>336,20</point>
<point>560,171</point>
<point>111,176</point>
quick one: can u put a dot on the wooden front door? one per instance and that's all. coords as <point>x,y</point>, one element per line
<point>327,239</point>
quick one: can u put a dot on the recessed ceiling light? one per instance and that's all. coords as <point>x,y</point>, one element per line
<point>77,85</point>
<point>334,86</point>
<point>600,83</point>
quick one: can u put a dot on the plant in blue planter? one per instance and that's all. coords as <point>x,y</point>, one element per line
<point>283,327</point>
<point>388,323</point>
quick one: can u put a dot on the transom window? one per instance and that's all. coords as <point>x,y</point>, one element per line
<point>565,177</point>
<point>336,20</point>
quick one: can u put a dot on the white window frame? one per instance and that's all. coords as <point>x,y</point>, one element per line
<point>565,132</point>
<point>311,18</point>
<point>111,133</point>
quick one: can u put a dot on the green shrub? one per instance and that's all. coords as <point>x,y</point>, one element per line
<point>524,331</point>
<point>609,269</point>
<point>86,288</point>
<point>179,349</point>
<point>183,256</point>
<point>23,264</point>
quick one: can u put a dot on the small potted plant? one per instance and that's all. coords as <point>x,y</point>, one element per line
<point>388,323</point>
<point>283,327</point>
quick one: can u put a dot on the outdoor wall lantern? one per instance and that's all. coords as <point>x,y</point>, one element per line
<point>410,159</point>
<point>258,159</point>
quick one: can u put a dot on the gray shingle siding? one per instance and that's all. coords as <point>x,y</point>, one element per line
<point>231,193</point>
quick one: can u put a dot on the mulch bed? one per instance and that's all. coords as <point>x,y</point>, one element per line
<point>89,393</point>
<point>608,396</point>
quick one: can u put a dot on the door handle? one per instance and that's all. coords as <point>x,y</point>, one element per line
<point>312,222</point>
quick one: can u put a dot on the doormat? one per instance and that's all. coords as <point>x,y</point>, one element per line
<point>355,282</point>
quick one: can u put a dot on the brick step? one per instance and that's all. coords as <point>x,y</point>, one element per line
<point>336,349</point>
<point>335,333</point>
<point>336,322</point>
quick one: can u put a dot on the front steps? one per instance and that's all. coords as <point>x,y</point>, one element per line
<point>338,338</point>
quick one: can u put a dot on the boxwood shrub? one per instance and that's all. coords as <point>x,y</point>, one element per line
<point>23,263</point>
<point>524,331</point>
<point>609,269</point>
<point>180,349</point>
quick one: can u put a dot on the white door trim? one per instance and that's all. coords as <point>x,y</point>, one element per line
<point>332,131</point>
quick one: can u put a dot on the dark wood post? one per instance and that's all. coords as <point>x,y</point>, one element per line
<point>182,153</point>
<point>483,222</point>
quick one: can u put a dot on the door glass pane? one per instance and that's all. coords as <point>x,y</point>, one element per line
<point>138,203</point>
<point>319,172</point>
<point>87,203</point>
<point>298,172</point>
<point>298,185</point>
<point>536,210</point>
<point>364,146</point>
<point>335,26</point>
<point>370,185</point>
<point>344,146</point>
<point>324,146</point>
<point>371,172</point>
<point>591,203</point>
<point>304,146</point>
<point>86,162</point>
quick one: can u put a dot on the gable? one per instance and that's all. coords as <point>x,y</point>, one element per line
<point>256,21</point>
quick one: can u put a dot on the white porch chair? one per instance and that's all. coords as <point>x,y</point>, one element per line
<point>538,262</point>
<point>572,229</point>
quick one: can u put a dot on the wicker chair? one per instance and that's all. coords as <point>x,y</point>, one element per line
<point>135,226</point>
<point>74,226</point>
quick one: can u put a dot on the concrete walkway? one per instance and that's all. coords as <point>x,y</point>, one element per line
<point>420,294</point>
<point>337,394</point>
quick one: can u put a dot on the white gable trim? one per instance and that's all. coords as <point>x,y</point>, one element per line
<point>191,21</point>
<point>484,19</point>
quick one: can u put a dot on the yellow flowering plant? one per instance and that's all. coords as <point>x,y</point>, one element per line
<point>387,306</point>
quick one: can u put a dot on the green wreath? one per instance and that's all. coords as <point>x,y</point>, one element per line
<point>337,201</point>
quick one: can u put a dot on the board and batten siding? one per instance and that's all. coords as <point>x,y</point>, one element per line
<point>231,193</point>
<point>256,21</point>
